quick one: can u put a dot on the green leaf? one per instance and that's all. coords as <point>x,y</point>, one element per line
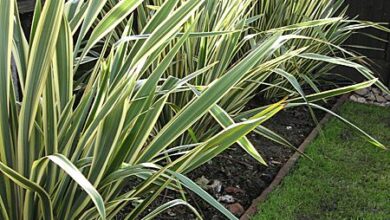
<point>367,73</point>
<point>6,23</point>
<point>109,22</point>
<point>89,14</point>
<point>368,137</point>
<point>20,180</point>
<point>224,119</point>
<point>189,184</point>
<point>77,176</point>
<point>196,109</point>
<point>168,205</point>
<point>41,53</point>
<point>63,64</point>
<point>315,97</point>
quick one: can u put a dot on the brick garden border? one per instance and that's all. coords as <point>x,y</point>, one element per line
<point>252,210</point>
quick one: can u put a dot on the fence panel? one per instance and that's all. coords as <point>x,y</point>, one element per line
<point>377,11</point>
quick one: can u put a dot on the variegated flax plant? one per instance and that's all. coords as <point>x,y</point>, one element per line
<point>103,94</point>
<point>318,28</point>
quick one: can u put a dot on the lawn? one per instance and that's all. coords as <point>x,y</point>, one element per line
<point>347,179</point>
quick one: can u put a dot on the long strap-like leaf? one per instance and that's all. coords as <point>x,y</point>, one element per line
<point>109,22</point>
<point>41,54</point>
<point>20,180</point>
<point>6,147</point>
<point>196,109</point>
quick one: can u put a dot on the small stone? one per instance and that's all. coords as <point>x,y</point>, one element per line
<point>362,92</point>
<point>202,182</point>
<point>387,97</point>
<point>236,209</point>
<point>376,91</point>
<point>361,100</point>
<point>171,213</point>
<point>353,98</point>
<point>216,186</point>
<point>371,96</point>
<point>233,190</point>
<point>226,199</point>
<point>380,99</point>
<point>289,127</point>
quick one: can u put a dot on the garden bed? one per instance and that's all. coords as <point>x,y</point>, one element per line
<point>236,176</point>
<point>107,104</point>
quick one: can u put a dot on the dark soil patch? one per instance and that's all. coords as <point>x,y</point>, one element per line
<point>235,168</point>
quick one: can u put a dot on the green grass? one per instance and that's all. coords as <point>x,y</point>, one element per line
<point>349,179</point>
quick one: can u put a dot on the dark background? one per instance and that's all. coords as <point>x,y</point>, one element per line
<point>377,11</point>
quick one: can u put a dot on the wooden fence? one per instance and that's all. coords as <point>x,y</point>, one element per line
<point>26,6</point>
<point>377,11</point>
